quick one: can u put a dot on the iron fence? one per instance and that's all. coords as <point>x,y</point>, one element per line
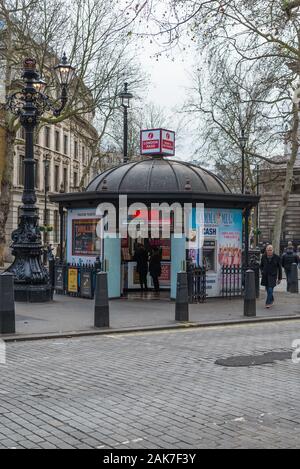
<point>232,281</point>
<point>196,284</point>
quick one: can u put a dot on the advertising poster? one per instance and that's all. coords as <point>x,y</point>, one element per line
<point>72,280</point>
<point>86,285</point>
<point>59,278</point>
<point>165,278</point>
<point>83,244</point>
<point>222,245</point>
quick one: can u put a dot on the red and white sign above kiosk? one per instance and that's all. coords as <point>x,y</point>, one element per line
<point>158,142</point>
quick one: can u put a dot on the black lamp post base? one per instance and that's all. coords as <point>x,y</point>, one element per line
<point>33,293</point>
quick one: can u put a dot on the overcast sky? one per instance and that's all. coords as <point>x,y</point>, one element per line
<point>169,81</point>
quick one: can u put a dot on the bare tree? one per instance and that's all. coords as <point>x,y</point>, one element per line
<point>256,32</point>
<point>96,38</point>
<point>229,99</point>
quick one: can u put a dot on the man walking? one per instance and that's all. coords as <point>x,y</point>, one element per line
<point>289,258</point>
<point>271,273</point>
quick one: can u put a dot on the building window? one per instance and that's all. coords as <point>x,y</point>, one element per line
<point>47,137</point>
<point>75,180</point>
<point>56,226</point>
<point>21,170</point>
<point>56,178</point>
<point>57,141</point>
<point>65,180</point>
<point>76,150</point>
<point>65,144</point>
<point>83,155</point>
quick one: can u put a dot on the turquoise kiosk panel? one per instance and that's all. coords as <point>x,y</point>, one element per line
<point>112,265</point>
<point>178,257</point>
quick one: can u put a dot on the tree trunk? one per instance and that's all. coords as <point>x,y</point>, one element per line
<point>288,181</point>
<point>5,187</point>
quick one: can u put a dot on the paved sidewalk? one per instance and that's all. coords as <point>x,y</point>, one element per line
<point>67,315</point>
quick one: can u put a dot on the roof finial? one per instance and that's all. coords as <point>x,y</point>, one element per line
<point>104,185</point>
<point>188,186</point>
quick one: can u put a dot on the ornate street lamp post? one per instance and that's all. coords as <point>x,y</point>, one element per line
<point>125,102</point>
<point>243,142</point>
<point>32,283</point>
<point>46,162</point>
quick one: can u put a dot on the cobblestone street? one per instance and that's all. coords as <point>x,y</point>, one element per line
<point>152,390</point>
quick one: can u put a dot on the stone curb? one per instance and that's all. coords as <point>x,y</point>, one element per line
<point>132,330</point>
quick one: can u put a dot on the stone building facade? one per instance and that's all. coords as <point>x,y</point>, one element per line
<point>68,153</point>
<point>271,183</point>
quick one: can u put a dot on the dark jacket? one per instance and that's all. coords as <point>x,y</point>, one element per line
<point>155,265</point>
<point>271,270</point>
<point>289,258</point>
<point>141,258</point>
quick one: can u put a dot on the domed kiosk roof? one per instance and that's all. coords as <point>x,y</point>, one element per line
<point>158,175</point>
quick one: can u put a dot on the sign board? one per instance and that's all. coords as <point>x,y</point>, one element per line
<point>221,244</point>
<point>83,244</point>
<point>59,278</point>
<point>72,280</point>
<point>158,142</point>
<point>86,285</point>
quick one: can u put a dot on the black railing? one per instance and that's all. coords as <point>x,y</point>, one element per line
<point>232,281</point>
<point>77,280</point>
<point>196,284</point>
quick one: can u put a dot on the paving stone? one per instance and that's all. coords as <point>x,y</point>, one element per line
<point>154,390</point>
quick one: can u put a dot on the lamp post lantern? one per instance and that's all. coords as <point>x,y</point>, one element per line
<point>125,102</point>
<point>243,142</point>
<point>31,278</point>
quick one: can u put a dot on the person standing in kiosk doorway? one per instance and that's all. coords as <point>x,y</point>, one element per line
<point>141,258</point>
<point>271,273</point>
<point>155,268</point>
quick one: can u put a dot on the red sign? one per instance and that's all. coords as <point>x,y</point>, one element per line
<point>158,142</point>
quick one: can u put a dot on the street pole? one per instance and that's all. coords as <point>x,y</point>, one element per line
<point>257,209</point>
<point>46,176</point>
<point>243,170</point>
<point>125,139</point>
<point>31,278</point>
<point>125,102</point>
<point>247,214</point>
<point>243,143</point>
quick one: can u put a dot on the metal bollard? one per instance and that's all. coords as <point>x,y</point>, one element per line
<point>250,294</point>
<point>101,318</point>
<point>294,285</point>
<point>182,298</point>
<point>7,304</point>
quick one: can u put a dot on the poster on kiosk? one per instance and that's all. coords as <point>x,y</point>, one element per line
<point>83,245</point>
<point>219,246</point>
